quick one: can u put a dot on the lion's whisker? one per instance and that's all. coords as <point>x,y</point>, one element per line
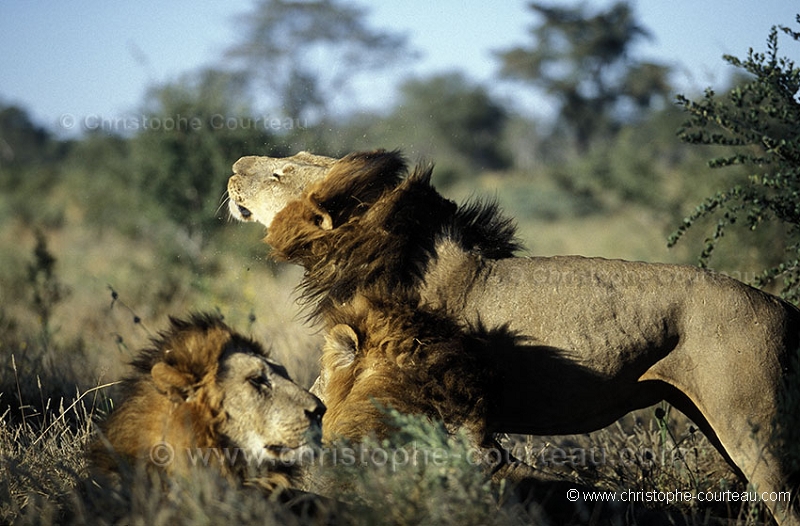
<point>223,202</point>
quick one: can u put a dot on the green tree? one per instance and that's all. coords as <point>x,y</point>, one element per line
<point>23,145</point>
<point>192,131</point>
<point>306,53</point>
<point>30,164</point>
<point>445,118</point>
<point>759,122</point>
<point>461,117</point>
<point>584,61</point>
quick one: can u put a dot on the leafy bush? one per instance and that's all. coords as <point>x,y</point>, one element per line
<point>422,475</point>
<point>760,121</point>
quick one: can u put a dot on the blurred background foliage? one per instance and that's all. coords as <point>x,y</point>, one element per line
<point>139,209</point>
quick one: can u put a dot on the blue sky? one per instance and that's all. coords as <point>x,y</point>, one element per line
<point>99,57</point>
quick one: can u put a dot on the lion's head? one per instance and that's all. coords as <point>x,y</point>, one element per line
<point>261,186</point>
<point>366,222</point>
<point>387,353</point>
<point>205,392</point>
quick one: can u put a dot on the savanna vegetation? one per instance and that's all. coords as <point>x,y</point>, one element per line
<point>105,234</point>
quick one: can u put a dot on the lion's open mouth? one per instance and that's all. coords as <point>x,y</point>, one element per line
<point>245,213</point>
<point>239,212</point>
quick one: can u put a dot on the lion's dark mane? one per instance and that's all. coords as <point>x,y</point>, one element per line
<point>169,347</point>
<point>381,240</point>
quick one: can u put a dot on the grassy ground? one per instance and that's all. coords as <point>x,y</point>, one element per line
<point>110,291</point>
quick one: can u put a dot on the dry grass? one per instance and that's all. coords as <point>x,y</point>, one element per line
<point>121,287</point>
<point>643,453</point>
<point>433,482</point>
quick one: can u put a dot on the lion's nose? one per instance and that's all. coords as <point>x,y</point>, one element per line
<point>315,415</point>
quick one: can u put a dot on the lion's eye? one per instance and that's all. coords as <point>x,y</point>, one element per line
<point>275,177</point>
<point>259,382</point>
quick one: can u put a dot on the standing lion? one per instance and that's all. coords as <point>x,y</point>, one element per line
<point>580,341</point>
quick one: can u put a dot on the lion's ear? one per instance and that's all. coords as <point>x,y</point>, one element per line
<point>322,218</point>
<point>354,182</point>
<point>171,381</point>
<point>326,221</point>
<point>341,345</point>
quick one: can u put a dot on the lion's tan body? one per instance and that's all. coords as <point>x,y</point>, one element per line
<point>632,334</point>
<point>204,390</point>
<point>582,340</point>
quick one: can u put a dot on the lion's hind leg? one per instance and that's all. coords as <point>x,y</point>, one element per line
<point>739,422</point>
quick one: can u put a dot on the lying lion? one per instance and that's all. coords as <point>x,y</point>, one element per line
<point>591,339</point>
<point>387,353</point>
<point>204,391</point>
